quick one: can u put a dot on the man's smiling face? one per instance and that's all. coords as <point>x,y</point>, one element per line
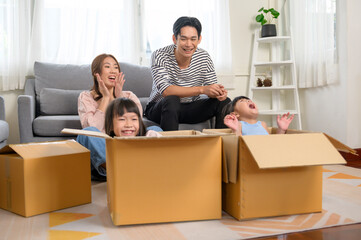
<point>187,41</point>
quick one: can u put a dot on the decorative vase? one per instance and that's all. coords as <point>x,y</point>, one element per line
<point>269,30</point>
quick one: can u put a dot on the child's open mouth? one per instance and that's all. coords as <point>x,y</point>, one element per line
<point>252,106</point>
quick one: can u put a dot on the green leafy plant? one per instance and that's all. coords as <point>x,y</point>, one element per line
<point>266,16</point>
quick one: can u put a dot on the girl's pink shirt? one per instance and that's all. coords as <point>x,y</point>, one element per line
<point>91,116</point>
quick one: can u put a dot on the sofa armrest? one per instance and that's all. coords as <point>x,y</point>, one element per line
<point>26,115</point>
<point>2,108</point>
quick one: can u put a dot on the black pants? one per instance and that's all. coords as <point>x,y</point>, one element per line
<point>169,112</point>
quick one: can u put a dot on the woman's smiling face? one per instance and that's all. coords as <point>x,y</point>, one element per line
<point>109,72</point>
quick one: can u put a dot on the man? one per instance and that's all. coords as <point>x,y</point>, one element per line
<point>181,72</point>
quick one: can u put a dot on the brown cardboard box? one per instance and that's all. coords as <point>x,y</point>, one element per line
<point>172,178</point>
<point>277,174</point>
<point>41,177</point>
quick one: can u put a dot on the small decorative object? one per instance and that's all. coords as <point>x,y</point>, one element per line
<point>259,82</point>
<point>266,17</point>
<point>267,82</point>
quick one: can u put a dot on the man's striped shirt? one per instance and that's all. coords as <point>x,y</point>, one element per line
<point>166,72</point>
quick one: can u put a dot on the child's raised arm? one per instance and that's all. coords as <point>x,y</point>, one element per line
<point>232,122</point>
<point>283,122</point>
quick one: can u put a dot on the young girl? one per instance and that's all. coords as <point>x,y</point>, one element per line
<point>122,119</point>
<point>243,118</point>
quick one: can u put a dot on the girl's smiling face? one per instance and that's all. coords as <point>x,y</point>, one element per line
<point>126,125</point>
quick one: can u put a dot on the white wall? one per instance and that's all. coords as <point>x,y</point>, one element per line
<point>243,24</point>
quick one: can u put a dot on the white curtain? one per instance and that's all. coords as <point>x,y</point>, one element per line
<point>313,30</point>
<point>15,22</point>
<point>74,32</point>
<point>159,16</point>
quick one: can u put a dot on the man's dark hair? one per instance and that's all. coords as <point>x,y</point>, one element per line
<point>186,21</point>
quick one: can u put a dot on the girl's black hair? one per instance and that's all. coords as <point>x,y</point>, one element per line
<point>186,21</point>
<point>119,107</point>
<point>230,106</point>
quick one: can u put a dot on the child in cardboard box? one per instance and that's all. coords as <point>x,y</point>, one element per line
<point>242,118</point>
<point>122,119</point>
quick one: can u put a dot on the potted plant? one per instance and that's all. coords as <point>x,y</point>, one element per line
<point>266,17</point>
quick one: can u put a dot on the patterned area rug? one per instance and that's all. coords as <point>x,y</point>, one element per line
<point>341,205</point>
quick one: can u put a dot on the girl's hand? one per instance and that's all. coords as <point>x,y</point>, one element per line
<point>102,88</point>
<point>119,83</point>
<point>284,121</point>
<point>231,121</point>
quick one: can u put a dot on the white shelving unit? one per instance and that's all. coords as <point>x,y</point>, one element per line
<point>278,86</point>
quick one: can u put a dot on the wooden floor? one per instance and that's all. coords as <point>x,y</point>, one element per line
<point>348,232</point>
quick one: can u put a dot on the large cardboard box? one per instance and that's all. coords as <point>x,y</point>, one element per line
<point>277,174</point>
<point>176,177</point>
<point>41,177</point>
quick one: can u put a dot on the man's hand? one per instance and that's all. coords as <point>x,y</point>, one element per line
<point>119,83</point>
<point>283,122</point>
<point>214,90</point>
<point>223,96</point>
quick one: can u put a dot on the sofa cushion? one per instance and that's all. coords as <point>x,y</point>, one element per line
<point>4,130</point>
<point>61,76</point>
<point>59,101</point>
<point>138,79</point>
<point>51,126</point>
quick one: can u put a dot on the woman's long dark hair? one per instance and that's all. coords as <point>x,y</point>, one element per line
<point>119,107</point>
<point>96,67</point>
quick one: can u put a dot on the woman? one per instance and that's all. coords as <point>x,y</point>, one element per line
<point>108,85</point>
<point>92,105</point>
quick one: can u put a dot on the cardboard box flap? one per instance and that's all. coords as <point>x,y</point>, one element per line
<point>6,149</point>
<point>47,149</point>
<point>84,132</point>
<point>230,153</point>
<point>340,146</point>
<point>292,150</point>
<point>181,133</point>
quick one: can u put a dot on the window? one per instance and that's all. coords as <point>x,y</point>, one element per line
<point>313,24</point>
<point>77,31</point>
<point>74,32</point>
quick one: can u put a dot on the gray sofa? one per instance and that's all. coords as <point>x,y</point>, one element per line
<point>4,126</point>
<point>50,100</point>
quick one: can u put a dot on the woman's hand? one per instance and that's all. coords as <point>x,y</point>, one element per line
<point>102,88</point>
<point>119,83</point>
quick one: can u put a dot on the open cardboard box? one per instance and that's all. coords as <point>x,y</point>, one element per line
<point>276,174</point>
<point>172,178</point>
<point>37,178</point>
